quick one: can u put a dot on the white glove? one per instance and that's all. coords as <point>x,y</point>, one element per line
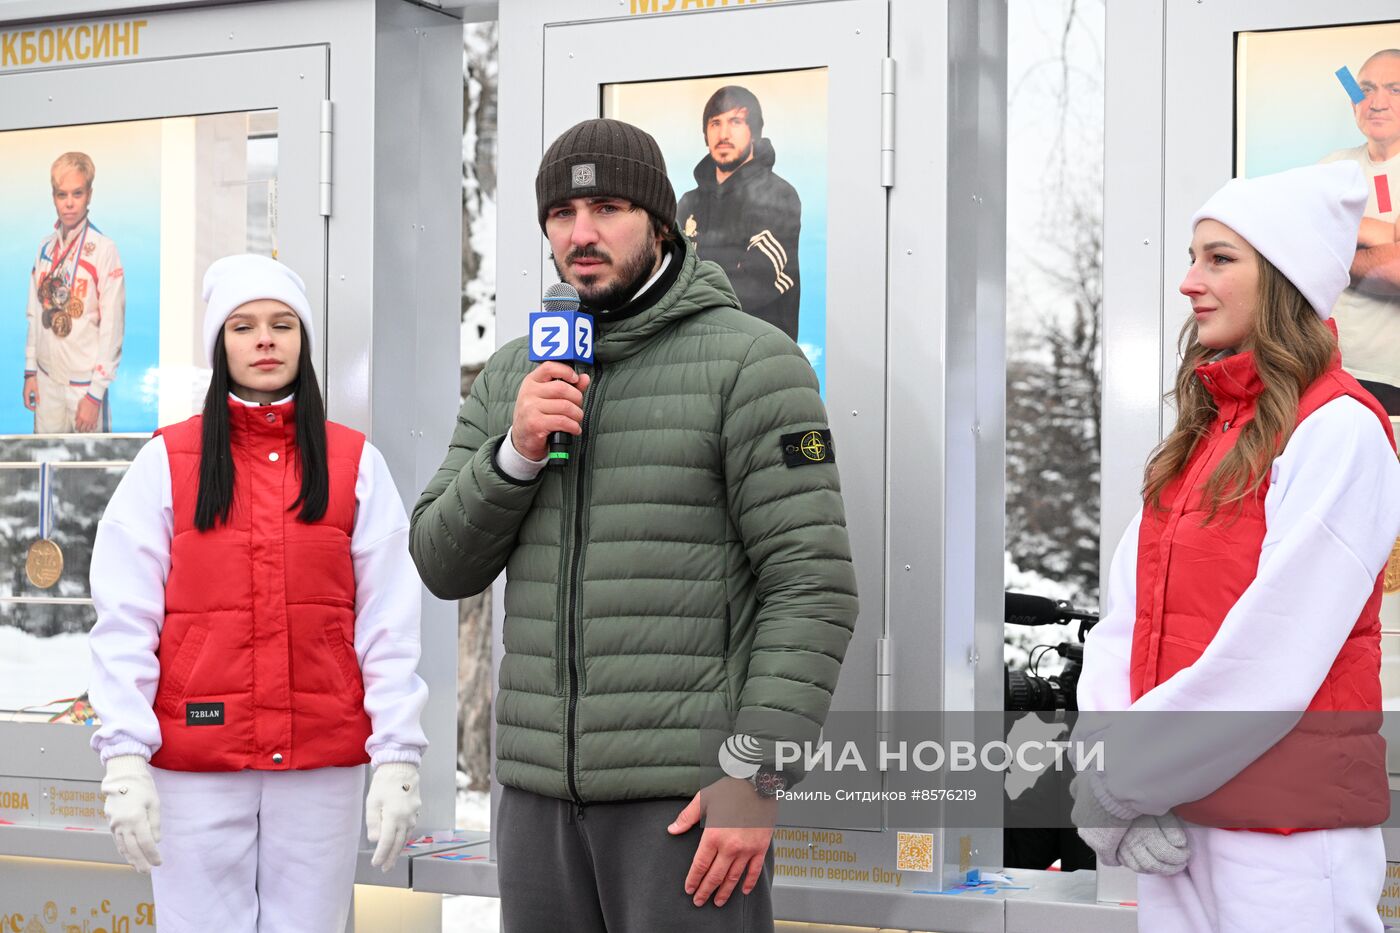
<point>1100,830</point>
<point>391,811</point>
<point>1155,845</point>
<point>133,810</point>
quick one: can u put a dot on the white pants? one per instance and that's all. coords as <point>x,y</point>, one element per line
<point>257,851</point>
<point>58,407</point>
<point>1328,881</point>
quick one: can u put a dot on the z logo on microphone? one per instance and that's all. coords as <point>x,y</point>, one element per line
<point>583,337</point>
<point>548,337</point>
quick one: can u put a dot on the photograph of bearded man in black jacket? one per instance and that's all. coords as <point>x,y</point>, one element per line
<point>742,215</point>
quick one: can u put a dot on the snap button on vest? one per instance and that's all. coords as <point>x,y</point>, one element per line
<point>272,456</point>
<point>277,758</point>
<point>271,417</point>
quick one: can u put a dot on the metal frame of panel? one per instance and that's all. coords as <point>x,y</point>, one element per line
<point>391,245</point>
<point>1170,82</point>
<point>937,573</point>
<point>847,37</point>
<point>245,81</point>
<point>1132,325</point>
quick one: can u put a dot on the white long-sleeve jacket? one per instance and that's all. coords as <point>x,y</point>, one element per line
<point>1332,513</point>
<point>130,565</point>
<point>89,355</point>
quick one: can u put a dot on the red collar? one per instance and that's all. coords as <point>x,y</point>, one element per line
<point>251,421</point>
<point>1235,378</point>
<point>1232,379</point>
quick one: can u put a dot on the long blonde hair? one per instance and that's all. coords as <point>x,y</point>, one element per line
<point>1292,348</point>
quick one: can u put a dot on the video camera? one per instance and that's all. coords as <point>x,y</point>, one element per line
<point>1027,691</point>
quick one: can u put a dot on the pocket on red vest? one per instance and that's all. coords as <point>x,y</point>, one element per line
<point>344,658</point>
<point>320,659</point>
<point>175,676</point>
<point>1176,654</point>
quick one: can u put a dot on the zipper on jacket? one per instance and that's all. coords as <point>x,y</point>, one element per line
<point>728,625</point>
<point>571,621</point>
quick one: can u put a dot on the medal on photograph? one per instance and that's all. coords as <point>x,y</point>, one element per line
<point>62,324</point>
<point>47,318</point>
<point>44,565</point>
<point>58,284</point>
<point>74,308</point>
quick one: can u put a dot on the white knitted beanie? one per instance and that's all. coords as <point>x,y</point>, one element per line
<point>1305,221</point>
<point>236,280</point>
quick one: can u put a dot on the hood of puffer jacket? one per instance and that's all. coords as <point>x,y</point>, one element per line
<point>701,285</point>
<point>764,156</point>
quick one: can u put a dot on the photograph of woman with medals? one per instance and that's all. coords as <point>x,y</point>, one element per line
<point>76,312</point>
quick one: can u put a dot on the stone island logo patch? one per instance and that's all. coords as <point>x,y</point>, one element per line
<point>584,175</point>
<point>204,714</point>
<point>807,447</point>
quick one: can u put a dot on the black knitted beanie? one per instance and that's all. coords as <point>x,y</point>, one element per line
<point>605,158</point>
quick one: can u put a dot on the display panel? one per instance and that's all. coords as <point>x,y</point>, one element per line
<point>747,157</point>
<point>108,230</point>
<point>1331,94</point>
<point>1307,96</point>
<point>163,199</point>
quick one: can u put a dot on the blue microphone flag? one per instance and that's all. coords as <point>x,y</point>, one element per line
<point>561,332</point>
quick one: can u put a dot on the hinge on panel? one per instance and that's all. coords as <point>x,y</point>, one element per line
<point>887,123</point>
<point>884,689</point>
<point>326,135</point>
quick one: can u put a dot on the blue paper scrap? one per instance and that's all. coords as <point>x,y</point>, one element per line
<point>1352,88</point>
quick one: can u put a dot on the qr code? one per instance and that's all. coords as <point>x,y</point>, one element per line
<point>915,852</point>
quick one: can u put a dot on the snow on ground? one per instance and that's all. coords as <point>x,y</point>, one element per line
<point>1028,581</point>
<point>35,671</point>
<point>473,806</point>
<point>462,914</point>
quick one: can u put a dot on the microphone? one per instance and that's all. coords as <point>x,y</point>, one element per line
<point>560,332</point>
<point>1025,609</point>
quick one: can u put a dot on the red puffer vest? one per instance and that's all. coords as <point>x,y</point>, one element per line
<point>1330,770</point>
<point>257,658</point>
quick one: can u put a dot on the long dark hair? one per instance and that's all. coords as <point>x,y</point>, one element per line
<point>215,499</point>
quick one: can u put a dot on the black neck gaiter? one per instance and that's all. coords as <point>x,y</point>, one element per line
<point>652,295</point>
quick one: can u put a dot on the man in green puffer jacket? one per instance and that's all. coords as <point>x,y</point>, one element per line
<point>685,578</point>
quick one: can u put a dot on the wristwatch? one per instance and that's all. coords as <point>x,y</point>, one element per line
<point>769,782</point>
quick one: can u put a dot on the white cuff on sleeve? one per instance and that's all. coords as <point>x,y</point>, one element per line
<point>396,754</point>
<point>122,748</point>
<point>515,464</point>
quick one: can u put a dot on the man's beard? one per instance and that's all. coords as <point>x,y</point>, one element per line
<point>632,271</point>
<point>735,162</point>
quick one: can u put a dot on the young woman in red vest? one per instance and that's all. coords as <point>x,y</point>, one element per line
<point>257,637</point>
<point>1247,591</point>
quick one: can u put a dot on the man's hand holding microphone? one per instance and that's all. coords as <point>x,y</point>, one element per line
<point>549,406</point>
<point>550,401</point>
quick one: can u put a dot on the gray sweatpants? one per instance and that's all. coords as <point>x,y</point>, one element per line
<point>616,870</point>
